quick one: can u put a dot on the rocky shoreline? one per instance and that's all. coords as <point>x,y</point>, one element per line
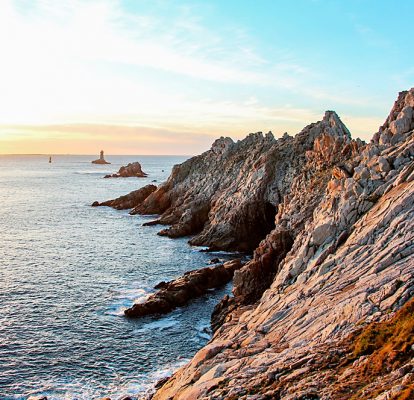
<point>339,259</point>
<point>331,222</point>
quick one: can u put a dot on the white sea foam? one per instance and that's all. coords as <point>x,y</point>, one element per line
<point>100,172</point>
<point>203,331</point>
<point>125,297</point>
<point>160,324</point>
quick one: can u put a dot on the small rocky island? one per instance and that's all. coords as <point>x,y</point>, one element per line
<point>132,170</point>
<point>101,159</point>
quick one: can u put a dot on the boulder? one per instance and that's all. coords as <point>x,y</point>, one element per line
<point>322,233</point>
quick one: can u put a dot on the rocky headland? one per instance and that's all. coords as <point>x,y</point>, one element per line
<point>132,170</point>
<point>315,313</point>
<point>323,310</point>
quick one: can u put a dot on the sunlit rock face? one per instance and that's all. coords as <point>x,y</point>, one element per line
<point>340,255</point>
<point>400,121</point>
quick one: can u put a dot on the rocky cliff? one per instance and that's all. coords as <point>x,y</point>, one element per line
<point>228,196</point>
<point>331,220</point>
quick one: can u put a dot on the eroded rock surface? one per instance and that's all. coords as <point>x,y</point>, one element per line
<point>132,170</point>
<point>180,291</point>
<point>340,256</point>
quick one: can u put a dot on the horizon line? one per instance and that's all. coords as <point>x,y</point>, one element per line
<point>94,155</point>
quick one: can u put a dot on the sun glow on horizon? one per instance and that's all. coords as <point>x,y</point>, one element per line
<point>169,77</point>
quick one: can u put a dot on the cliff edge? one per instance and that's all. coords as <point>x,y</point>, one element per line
<point>314,313</point>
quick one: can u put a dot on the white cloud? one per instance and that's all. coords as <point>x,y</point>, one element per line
<point>77,61</point>
<point>54,58</point>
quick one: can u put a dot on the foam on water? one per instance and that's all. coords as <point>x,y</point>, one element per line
<point>203,330</point>
<point>123,298</point>
<point>160,324</point>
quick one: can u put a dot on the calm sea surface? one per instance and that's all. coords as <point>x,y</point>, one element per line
<point>67,272</point>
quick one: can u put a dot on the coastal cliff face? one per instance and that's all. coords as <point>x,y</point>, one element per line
<point>332,223</point>
<point>228,196</point>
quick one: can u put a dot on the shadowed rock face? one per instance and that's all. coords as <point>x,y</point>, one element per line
<point>132,170</point>
<point>341,255</point>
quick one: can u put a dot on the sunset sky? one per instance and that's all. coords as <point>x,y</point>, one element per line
<point>168,77</point>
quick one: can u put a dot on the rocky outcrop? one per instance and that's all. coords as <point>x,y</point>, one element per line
<point>400,121</point>
<point>101,159</point>
<point>128,201</point>
<point>132,170</point>
<point>339,258</point>
<point>228,196</point>
<point>180,291</point>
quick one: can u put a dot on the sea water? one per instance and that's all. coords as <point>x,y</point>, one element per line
<point>67,273</point>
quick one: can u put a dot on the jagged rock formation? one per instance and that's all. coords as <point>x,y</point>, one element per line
<point>101,159</point>
<point>229,196</point>
<point>200,196</point>
<point>340,256</point>
<point>128,201</point>
<point>180,291</point>
<point>132,170</point>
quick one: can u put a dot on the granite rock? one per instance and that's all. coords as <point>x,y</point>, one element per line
<point>339,257</point>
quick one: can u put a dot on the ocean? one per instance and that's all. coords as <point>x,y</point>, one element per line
<point>67,272</point>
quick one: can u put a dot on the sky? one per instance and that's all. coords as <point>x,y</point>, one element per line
<point>168,77</point>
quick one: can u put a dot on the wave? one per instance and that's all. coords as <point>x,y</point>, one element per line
<point>160,324</point>
<point>125,297</point>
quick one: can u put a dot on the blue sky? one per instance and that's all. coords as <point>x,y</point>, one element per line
<point>168,77</point>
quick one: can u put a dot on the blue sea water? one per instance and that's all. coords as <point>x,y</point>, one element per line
<point>67,272</point>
